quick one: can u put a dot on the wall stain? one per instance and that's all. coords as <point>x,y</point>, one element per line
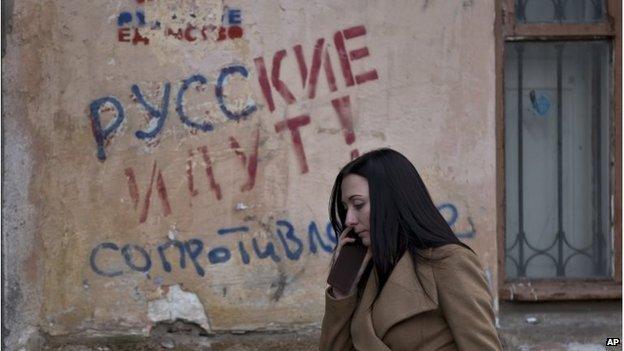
<point>7,22</point>
<point>280,283</point>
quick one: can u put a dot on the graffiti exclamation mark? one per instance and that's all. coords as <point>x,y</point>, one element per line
<point>343,109</point>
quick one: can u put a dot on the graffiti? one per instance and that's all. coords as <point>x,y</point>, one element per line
<point>291,246</point>
<point>342,106</point>
<point>160,187</point>
<point>451,214</point>
<point>309,80</point>
<point>132,27</point>
<point>312,76</point>
<point>141,259</point>
<point>225,73</point>
<point>159,115</point>
<point>102,135</point>
<point>540,103</point>
<point>249,163</point>
<point>293,125</point>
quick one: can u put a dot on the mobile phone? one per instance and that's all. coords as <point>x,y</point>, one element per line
<point>347,265</point>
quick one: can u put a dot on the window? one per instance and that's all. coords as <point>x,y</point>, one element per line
<point>559,132</point>
<point>559,11</point>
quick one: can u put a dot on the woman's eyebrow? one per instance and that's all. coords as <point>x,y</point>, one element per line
<point>350,197</point>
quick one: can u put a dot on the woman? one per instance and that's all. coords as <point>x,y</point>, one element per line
<point>419,287</point>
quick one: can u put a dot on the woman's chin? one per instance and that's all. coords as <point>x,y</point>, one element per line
<point>366,242</point>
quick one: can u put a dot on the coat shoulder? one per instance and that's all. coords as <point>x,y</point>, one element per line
<point>451,259</point>
<point>458,264</point>
<point>449,251</point>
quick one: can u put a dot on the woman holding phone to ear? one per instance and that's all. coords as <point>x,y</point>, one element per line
<point>417,286</point>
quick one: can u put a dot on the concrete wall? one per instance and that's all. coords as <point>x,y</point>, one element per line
<point>136,130</point>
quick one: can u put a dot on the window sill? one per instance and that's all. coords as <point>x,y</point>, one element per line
<point>561,31</point>
<point>552,290</point>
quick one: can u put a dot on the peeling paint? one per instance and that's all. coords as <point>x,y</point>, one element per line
<point>178,304</point>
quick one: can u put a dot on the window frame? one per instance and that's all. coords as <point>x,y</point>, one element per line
<point>508,29</point>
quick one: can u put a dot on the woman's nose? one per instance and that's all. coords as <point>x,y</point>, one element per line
<point>351,220</point>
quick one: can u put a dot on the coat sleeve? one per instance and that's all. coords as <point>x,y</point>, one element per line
<point>466,301</point>
<point>336,326</point>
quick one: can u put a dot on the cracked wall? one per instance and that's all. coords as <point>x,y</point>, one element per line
<point>191,145</point>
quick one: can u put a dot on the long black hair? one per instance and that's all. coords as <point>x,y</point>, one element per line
<point>402,214</point>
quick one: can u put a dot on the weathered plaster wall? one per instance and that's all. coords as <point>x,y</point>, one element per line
<point>139,130</point>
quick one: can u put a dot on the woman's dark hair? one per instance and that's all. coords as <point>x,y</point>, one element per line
<point>402,214</point>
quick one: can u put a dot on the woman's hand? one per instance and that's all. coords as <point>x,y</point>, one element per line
<point>342,241</point>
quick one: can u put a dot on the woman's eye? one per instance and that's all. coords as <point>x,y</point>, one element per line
<point>358,206</point>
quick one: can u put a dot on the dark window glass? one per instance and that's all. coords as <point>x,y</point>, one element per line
<point>559,11</point>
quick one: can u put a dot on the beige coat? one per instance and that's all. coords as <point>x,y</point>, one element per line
<point>459,315</point>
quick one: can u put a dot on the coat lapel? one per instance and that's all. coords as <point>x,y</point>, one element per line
<point>403,296</point>
<point>362,330</point>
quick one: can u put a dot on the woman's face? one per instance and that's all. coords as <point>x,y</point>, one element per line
<point>355,199</point>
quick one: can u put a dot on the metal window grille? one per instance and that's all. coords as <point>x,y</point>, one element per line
<point>558,182</point>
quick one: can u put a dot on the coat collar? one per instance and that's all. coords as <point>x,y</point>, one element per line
<point>402,297</point>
